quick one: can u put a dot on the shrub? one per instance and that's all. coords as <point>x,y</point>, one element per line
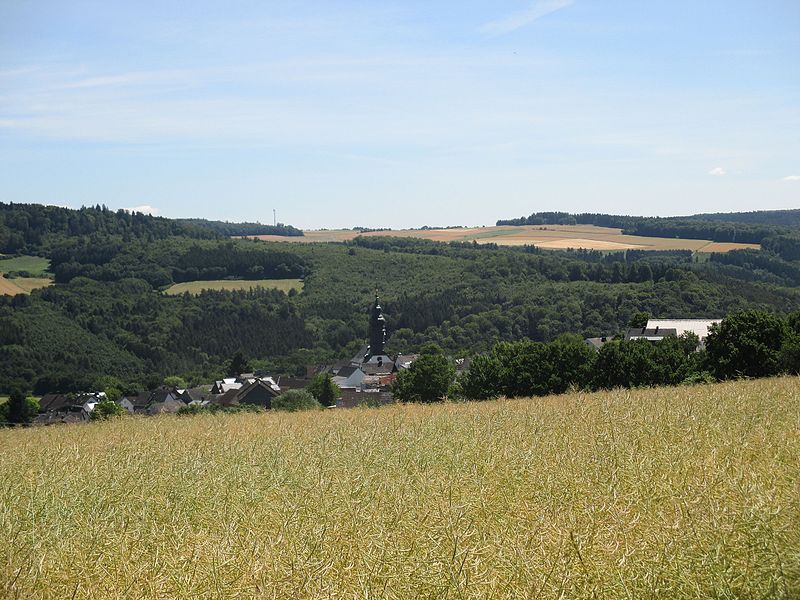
<point>295,400</point>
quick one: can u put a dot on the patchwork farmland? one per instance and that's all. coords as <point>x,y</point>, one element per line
<point>553,237</point>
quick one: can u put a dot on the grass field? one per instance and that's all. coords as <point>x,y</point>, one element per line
<point>35,265</point>
<point>672,493</point>
<point>549,236</point>
<point>195,287</point>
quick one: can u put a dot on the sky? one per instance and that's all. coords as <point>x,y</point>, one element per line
<point>350,113</point>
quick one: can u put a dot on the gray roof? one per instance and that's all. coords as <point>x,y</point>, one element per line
<point>653,334</point>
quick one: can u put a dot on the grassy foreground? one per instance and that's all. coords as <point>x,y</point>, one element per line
<point>677,492</point>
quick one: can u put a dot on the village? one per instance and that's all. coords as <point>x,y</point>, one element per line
<point>364,380</point>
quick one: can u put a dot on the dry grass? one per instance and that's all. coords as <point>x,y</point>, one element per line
<point>22,285</point>
<point>672,493</point>
<point>727,247</point>
<point>195,287</point>
<point>588,237</point>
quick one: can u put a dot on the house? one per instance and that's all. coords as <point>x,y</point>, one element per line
<point>699,327</point>
<point>260,393</point>
<point>196,395</point>
<point>349,377</point>
<point>655,334</point>
<point>54,403</point>
<point>164,400</point>
<point>292,383</point>
<point>136,404</point>
<point>404,361</point>
<point>225,385</point>
<point>596,342</point>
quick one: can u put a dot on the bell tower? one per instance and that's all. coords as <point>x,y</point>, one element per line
<point>377,329</point>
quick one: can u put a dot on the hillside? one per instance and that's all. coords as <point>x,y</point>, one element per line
<point>675,492</point>
<point>549,237</point>
<point>111,271</point>
<point>754,228</point>
<point>786,218</point>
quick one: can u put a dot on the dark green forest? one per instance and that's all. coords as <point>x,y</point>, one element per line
<point>108,320</point>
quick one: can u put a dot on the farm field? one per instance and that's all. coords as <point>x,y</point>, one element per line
<point>195,287</point>
<point>35,265</point>
<point>22,285</point>
<point>588,237</point>
<point>686,492</point>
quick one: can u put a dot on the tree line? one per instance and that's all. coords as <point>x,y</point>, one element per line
<point>748,343</point>
<point>717,230</point>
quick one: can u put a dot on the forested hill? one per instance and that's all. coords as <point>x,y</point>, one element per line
<point>783,218</point>
<point>36,229</point>
<point>754,231</point>
<point>107,320</point>
<point>243,229</point>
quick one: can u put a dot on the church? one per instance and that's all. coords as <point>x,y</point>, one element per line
<point>374,360</point>
<point>372,371</point>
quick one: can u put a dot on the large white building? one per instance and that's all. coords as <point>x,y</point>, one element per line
<point>699,327</point>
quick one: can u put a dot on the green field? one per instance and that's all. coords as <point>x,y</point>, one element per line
<point>35,265</point>
<point>686,492</point>
<point>195,287</point>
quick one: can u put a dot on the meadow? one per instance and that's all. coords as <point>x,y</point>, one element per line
<point>686,492</point>
<point>195,287</point>
<point>552,237</point>
<point>35,265</point>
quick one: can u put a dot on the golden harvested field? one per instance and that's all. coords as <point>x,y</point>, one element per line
<point>672,493</point>
<point>544,236</point>
<point>22,285</point>
<point>195,287</point>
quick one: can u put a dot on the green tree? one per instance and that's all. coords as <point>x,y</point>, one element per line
<point>173,381</point>
<point>324,389</point>
<point>295,400</point>
<point>640,318</point>
<point>747,344</point>
<point>429,378</point>
<point>107,409</point>
<point>113,394</point>
<point>21,409</point>
<point>237,365</point>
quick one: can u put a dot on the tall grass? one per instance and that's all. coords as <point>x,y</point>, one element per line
<point>676,492</point>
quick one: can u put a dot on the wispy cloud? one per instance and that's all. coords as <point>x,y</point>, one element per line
<point>792,178</point>
<point>534,12</point>
<point>718,172</point>
<point>144,208</point>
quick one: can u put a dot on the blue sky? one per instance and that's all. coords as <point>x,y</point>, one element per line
<point>346,113</point>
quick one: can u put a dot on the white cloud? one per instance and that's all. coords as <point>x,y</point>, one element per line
<point>718,172</point>
<point>792,178</point>
<point>534,12</point>
<point>144,208</point>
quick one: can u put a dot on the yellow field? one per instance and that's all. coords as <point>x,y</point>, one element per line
<point>21,285</point>
<point>544,236</point>
<point>672,493</point>
<point>195,287</point>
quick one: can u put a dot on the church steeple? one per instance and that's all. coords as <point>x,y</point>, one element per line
<point>377,328</point>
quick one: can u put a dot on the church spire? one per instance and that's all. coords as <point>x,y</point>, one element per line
<point>377,328</point>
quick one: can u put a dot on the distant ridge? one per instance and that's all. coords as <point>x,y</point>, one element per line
<point>752,227</point>
<point>787,218</point>
<point>244,229</point>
